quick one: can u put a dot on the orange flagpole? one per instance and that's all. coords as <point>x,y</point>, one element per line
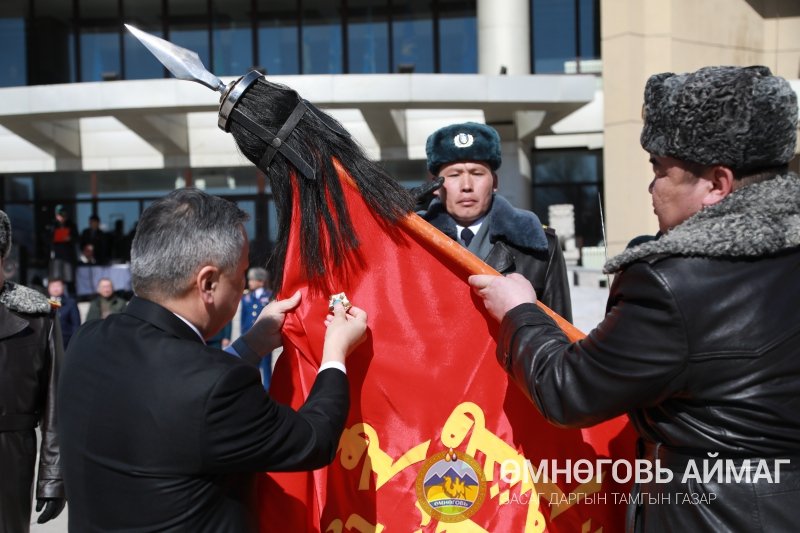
<point>472,264</point>
<point>461,256</point>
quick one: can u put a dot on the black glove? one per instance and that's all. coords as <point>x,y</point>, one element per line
<point>424,193</point>
<point>52,508</point>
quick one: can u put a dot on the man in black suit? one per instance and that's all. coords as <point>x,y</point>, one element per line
<point>160,432</point>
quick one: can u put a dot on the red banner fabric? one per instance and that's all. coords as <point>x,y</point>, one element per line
<point>435,428</point>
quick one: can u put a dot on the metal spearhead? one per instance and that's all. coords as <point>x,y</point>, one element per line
<point>184,64</point>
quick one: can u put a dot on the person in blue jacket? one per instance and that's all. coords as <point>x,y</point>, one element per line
<point>256,298</point>
<point>68,313</point>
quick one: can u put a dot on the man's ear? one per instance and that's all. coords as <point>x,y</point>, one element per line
<point>494,181</point>
<point>721,180</point>
<point>206,282</point>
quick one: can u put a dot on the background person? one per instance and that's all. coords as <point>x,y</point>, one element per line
<point>700,341</point>
<point>30,351</point>
<point>106,302</point>
<point>161,432</point>
<point>469,210</point>
<point>99,240</point>
<point>87,256</point>
<point>63,247</point>
<point>256,298</point>
<point>68,314</point>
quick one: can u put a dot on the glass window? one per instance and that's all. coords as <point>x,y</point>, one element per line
<point>261,228</point>
<point>412,36</point>
<point>59,186</point>
<point>249,207</point>
<point>188,27</point>
<point>100,40</point>
<point>13,67</point>
<point>570,177</point>
<point>232,37</point>
<point>272,213</point>
<point>119,215</point>
<point>139,62</point>
<point>321,37</point>
<point>458,37</point>
<point>367,37</point>
<point>590,29</point>
<point>51,55</point>
<point>22,224</point>
<point>193,36</point>
<point>278,36</point>
<point>18,188</point>
<point>553,30</point>
<point>136,183</point>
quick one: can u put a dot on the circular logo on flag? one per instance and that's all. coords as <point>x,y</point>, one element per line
<point>451,486</point>
<point>463,140</point>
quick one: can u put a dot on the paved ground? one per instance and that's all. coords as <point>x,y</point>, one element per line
<point>588,308</point>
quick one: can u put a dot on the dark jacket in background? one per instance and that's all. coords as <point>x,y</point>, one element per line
<point>100,241</point>
<point>701,347</point>
<point>116,304</point>
<point>69,317</point>
<point>519,244</point>
<point>163,433</point>
<point>30,351</point>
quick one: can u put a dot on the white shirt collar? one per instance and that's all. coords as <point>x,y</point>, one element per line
<point>191,326</point>
<point>474,227</point>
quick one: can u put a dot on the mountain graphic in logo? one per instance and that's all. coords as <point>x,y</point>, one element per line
<point>466,479</point>
<point>451,487</point>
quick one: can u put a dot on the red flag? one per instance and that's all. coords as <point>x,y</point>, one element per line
<point>434,421</point>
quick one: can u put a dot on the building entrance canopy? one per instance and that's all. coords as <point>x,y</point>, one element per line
<point>170,123</point>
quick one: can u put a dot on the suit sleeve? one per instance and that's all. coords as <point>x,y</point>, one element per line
<point>635,358</point>
<point>50,484</point>
<point>246,430</point>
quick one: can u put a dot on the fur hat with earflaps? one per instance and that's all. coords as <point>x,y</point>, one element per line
<point>741,117</point>
<point>470,141</point>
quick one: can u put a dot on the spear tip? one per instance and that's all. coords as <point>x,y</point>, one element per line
<point>184,64</point>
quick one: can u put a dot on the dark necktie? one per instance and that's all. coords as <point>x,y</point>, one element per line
<point>466,236</point>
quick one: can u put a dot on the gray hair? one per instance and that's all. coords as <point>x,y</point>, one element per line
<point>257,274</point>
<point>179,234</point>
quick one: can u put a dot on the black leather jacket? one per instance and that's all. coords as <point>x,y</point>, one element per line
<point>30,349</point>
<point>520,244</point>
<point>700,347</point>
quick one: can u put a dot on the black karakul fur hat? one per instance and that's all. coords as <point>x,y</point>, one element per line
<point>470,141</point>
<point>741,117</point>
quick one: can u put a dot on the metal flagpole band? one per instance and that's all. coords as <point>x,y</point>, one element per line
<point>231,97</point>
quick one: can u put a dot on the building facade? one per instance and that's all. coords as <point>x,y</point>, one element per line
<point>640,38</point>
<point>90,120</point>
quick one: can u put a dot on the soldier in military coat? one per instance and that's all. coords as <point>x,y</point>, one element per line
<point>30,348</point>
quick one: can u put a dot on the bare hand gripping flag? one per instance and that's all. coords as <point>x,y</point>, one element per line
<point>433,417</point>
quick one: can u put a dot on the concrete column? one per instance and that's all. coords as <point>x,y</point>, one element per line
<point>504,41</point>
<point>644,37</point>
<point>504,36</point>
<point>514,175</point>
